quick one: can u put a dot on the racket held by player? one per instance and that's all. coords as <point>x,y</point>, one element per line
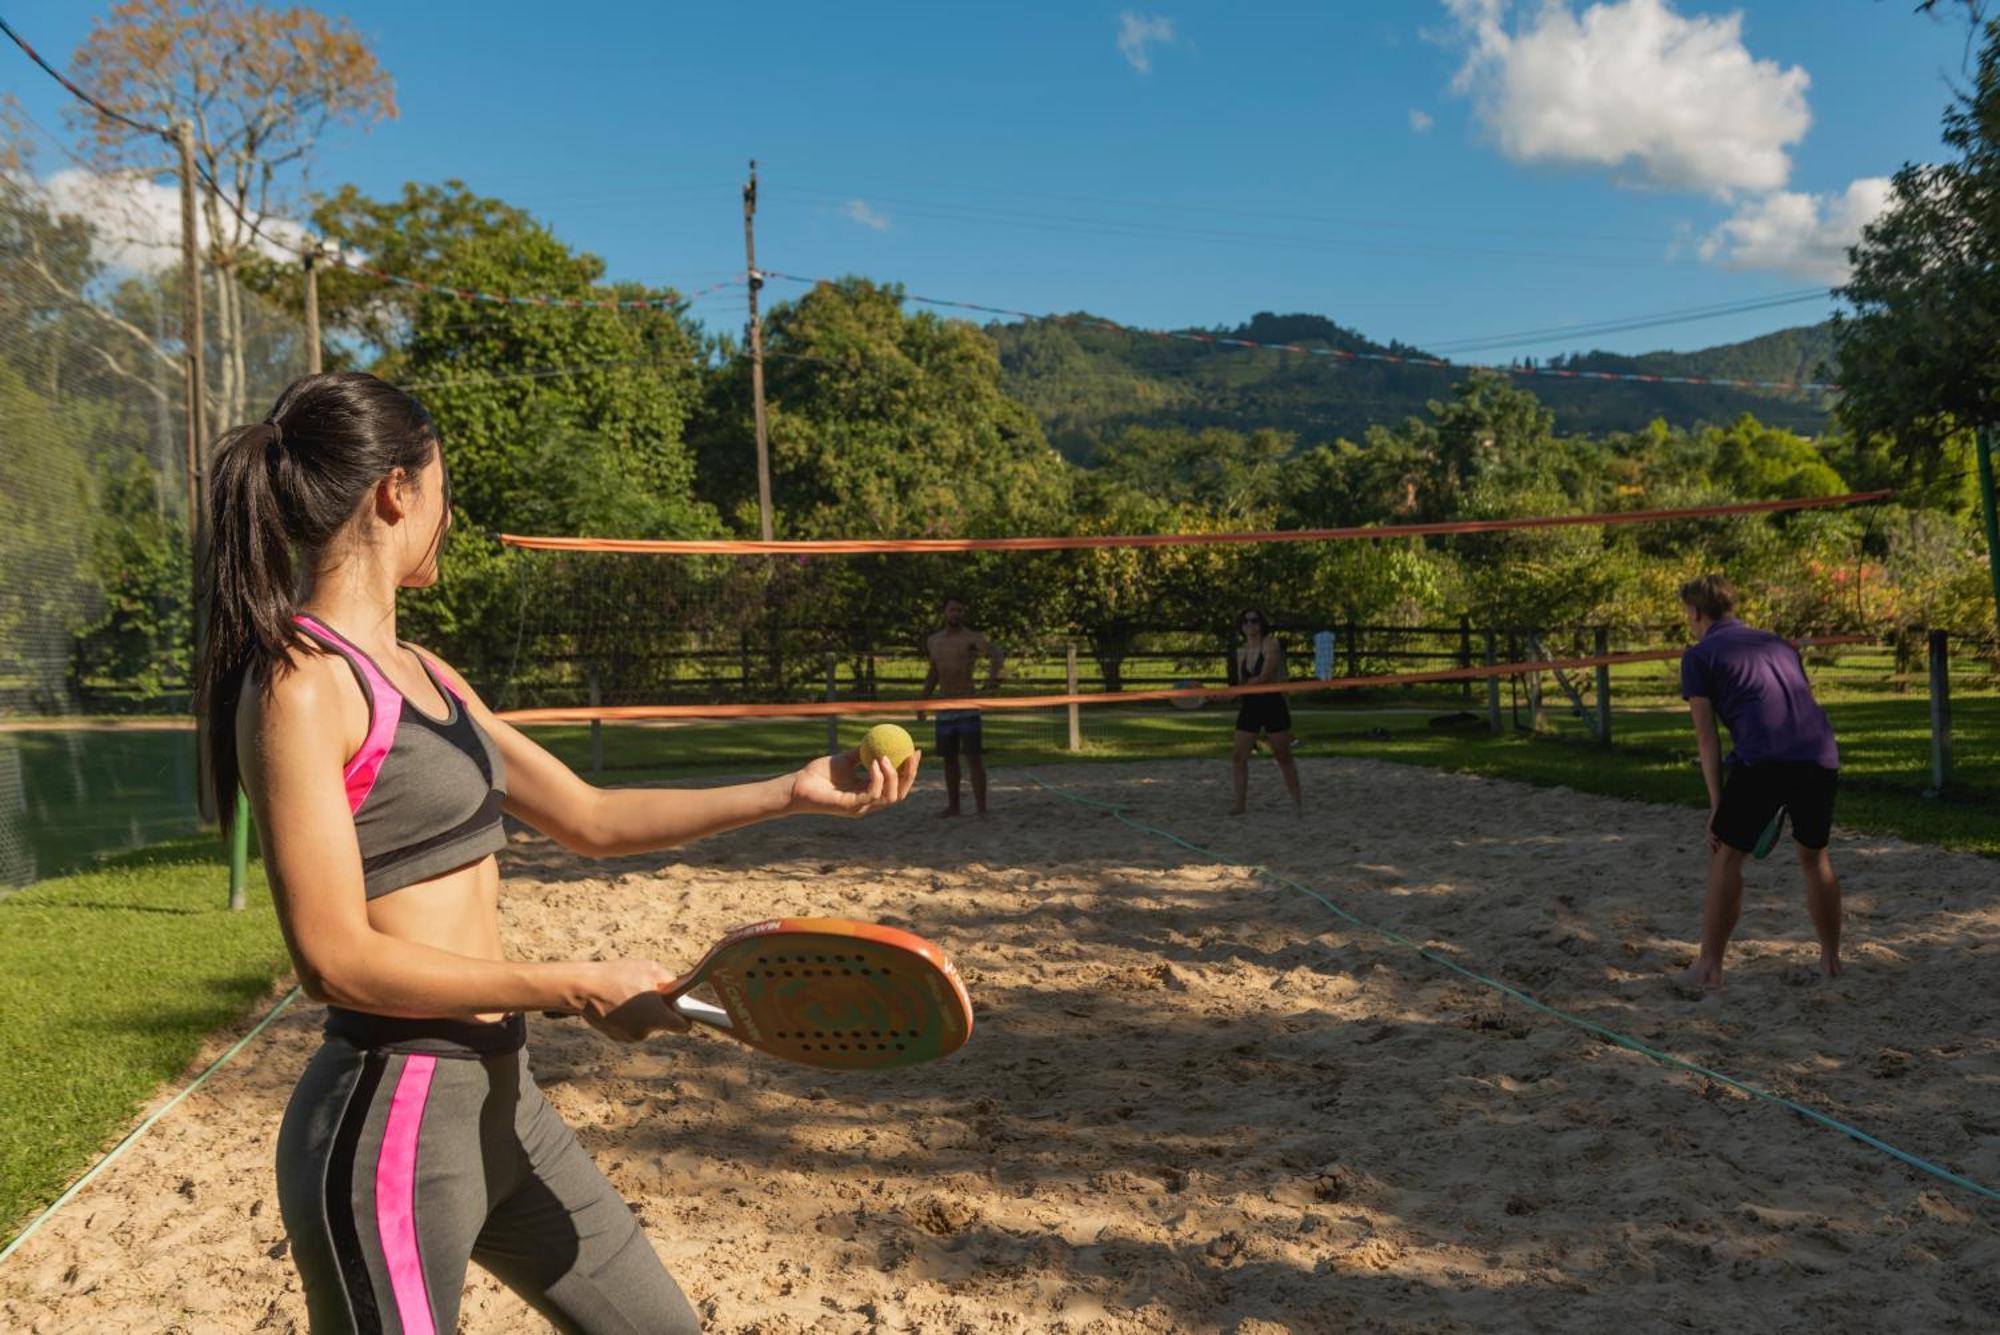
<point>830,992</point>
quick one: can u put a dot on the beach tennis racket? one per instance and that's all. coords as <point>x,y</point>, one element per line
<point>830,992</point>
<point>1768,840</point>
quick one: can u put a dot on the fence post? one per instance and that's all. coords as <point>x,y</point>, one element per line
<point>832,693</point>
<point>1532,684</point>
<point>1492,688</point>
<point>1075,710</point>
<point>1465,649</point>
<point>596,729</point>
<point>1940,712</point>
<point>1603,647</point>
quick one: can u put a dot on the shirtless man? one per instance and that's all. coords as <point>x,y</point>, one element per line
<point>954,652</point>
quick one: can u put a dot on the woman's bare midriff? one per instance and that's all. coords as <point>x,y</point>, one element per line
<point>458,911</point>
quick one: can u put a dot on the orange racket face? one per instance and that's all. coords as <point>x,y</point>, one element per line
<point>838,994</point>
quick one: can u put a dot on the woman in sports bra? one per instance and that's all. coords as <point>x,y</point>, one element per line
<point>417,1139</point>
<point>1261,659</point>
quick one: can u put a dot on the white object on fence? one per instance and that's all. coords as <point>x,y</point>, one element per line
<point>1323,655</point>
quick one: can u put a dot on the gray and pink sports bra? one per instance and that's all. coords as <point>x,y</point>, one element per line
<point>425,792</point>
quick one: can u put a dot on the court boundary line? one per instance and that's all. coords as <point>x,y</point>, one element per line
<point>1613,1036</point>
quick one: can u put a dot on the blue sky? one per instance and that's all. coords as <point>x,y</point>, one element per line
<point>1440,171</point>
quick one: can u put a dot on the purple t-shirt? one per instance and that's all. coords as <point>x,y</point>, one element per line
<point>1758,687</point>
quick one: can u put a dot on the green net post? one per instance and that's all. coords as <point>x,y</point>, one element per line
<point>239,852</point>
<point>1992,510</point>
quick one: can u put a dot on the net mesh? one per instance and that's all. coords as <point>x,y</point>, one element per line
<point>95,565</point>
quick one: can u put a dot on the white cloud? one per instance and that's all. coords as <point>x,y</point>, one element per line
<point>857,210</point>
<point>1136,35</point>
<point>137,220</point>
<point>1632,86</point>
<point>1801,234</point>
<point>1420,121</point>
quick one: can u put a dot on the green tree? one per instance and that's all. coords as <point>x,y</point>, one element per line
<point>140,640</point>
<point>1757,462</point>
<point>881,424</point>
<point>46,592</point>
<point>556,419</point>
<point>1918,358</point>
<point>1224,473</point>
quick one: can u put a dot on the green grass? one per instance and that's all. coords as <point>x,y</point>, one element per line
<point>109,981</point>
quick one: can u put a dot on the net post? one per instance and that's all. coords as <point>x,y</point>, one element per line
<point>596,729</point>
<point>1990,509</point>
<point>1940,647</point>
<point>1603,650</point>
<point>1492,688</point>
<point>832,694</point>
<point>1075,711</point>
<point>239,853</point>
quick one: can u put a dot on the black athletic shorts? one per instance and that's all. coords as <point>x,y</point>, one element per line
<point>1263,713</point>
<point>1752,794</point>
<point>958,730</point>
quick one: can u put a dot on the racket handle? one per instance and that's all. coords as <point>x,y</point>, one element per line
<point>700,1011</point>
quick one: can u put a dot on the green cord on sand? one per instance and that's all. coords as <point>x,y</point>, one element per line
<point>1609,1035</point>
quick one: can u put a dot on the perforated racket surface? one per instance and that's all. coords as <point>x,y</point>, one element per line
<point>832,993</point>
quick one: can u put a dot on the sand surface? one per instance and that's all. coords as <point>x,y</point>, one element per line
<point>1198,1101</point>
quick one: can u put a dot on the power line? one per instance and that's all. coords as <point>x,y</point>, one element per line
<point>319,247</point>
<point>95,105</point>
<point>1628,323</point>
<point>1340,354</point>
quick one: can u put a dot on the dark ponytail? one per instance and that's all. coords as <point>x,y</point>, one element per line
<point>280,491</point>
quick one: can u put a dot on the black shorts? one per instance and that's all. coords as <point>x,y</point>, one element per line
<point>958,730</point>
<point>1752,795</point>
<point>1264,713</point>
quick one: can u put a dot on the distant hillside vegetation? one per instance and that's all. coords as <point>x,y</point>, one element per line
<point>1086,384</point>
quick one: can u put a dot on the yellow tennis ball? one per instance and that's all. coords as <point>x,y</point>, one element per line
<point>886,739</point>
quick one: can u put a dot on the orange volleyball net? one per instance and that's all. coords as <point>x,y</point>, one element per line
<point>1124,639</point>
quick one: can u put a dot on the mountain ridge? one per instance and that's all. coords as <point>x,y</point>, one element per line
<point>1087,381</point>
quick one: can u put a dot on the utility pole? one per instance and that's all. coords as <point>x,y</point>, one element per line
<point>756,281</point>
<point>311,261</point>
<point>195,413</point>
<point>191,340</point>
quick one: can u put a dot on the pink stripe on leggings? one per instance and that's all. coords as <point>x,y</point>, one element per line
<point>396,1195</point>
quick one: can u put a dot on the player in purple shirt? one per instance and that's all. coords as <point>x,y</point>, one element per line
<point>1785,759</point>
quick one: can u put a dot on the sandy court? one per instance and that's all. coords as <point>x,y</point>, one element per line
<point>1197,1101</point>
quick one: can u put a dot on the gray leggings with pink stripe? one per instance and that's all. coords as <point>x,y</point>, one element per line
<point>396,1167</point>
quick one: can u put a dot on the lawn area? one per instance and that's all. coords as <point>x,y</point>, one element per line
<point>109,982</point>
<point>1885,746</point>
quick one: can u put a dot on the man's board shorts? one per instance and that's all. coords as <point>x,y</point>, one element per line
<point>958,730</point>
<point>1752,795</point>
<point>413,1146</point>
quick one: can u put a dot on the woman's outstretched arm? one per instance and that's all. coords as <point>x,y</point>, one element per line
<point>606,822</point>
